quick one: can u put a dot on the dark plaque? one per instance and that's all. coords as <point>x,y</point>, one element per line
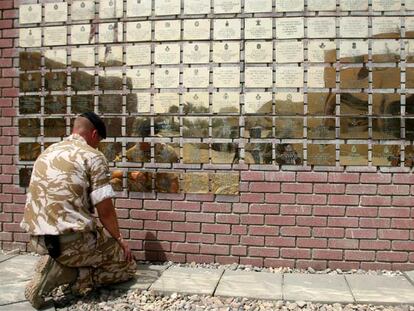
<point>110,103</point>
<point>386,128</point>
<point>29,151</point>
<point>167,126</point>
<point>82,103</point>
<point>139,181</point>
<point>110,80</point>
<point>30,60</point>
<point>322,155</point>
<point>116,180</point>
<point>167,182</point>
<point>258,127</point>
<point>354,128</point>
<point>354,104</point>
<point>194,103</point>
<point>386,155</point>
<point>321,128</point>
<point>113,127</point>
<point>55,127</point>
<point>55,104</point>
<point>225,183</point>
<point>83,80</point>
<point>195,153</point>
<point>112,151</point>
<point>258,153</point>
<point>30,82</point>
<point>409,104</point>
<point>138,152</point>
<point>55,81</point>
<point>224,153</point>
<point>29,127</point>
<point>225,127</point>
<point>286,127</point>
<point>138,126</point>
<point>387,104</point>
<point>167,153</point>
<point>24,176</point>
<point>386,78</point>
<point>195,127</point>
<point>409,77</point>
<point>322,104</point>
<point>289,154</point>
<point>289,106</point>
<point>354,155</point>
<point>409,129</point>
<point>354,78</point>
<point>29,104</point>
<point>409,156</point>
<point>196,183</point>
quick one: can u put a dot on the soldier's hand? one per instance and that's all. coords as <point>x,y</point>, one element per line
<point>127,252</point>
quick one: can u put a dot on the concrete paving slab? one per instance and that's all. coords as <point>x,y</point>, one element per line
<point>12,292</point>
<point>4,257</point>
<point>146,276</point>
<point>379,289</point>
<point>23,306</point>
<point>19,268</point>
<point>410,276</point>
<point>250,285</point>
<point>316,288</point>
<point>191,281</point>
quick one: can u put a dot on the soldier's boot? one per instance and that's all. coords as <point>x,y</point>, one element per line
<point>49,274</point>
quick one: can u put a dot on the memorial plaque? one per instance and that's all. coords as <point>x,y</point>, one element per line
<point>81,34</point>
<point>29,104</point>
<point>322,104</point>
<point>83,10</point>
<point>138,152</point>
<point>29,60</point>
<point>227,29</point>
<point>56,12</point>
<point>81,103</point>
<point>138,103</point>
<point>258,28</point>
<point>289,76</point>
<point>139,8</point>
<point>139,78</point>
<point>226,52</point>
<point>226,102</point>
<point>196,53</point>
<point>386,78</point>
<point>225,127</point>
<point>321,27</point>
<point>288,127</point>
<point>83,57</point>
<point>409,129</point>
<point>409,104</point>
<point>140,181</point>
<point>352,155</point>
<point>386,128</point>
<point>167,153</point>
<point>289,51</point>
<point>195,102</point>
<point>168,78</point>
<point>116,180</point>
<point>321,51</point>
<point>138,31</point>
<point>138,54</point>
<point>386,51</point>
<point>321,77</point>
<point>321,128</point>
<point>197,7</point>
<point>386,5</point>
<point>290,28</point>
<point>167,126</point>
<point>258,127</point>
<point>196,77</point>
<point>138,126</point>
<point>55,127</point>
<point>111,8</point>
<point>112,151</point>
<point>30,13</point>
<point>409,77</point>
<point>196,29</point>
<point>289,154</point>
<point>226,77</point>
<point>167,7</point>
<point>166,102</point>
<point>322,5</point>
<point>354,78</point>
<point>56,59</point>
<point>110,56</point>
<point>196,183</point>
<point>167,54</point>
<point>224,153</point>
<point>167,30</point>
<point>83,80</point>
<point>30,37</point>
<point>225,183</point>
<point>258,52</point>
<point>258,153</point>
<point>353,27</point>
<point>258,6</point>
<point>227,6</point>
<point>354,5</point>
<point>195,153</point>
<point>24,176</point>
<point>409,156</point>
<point>290,5</point>
<point>167,182</point>
<point>409,5</point>
<point>111,32</point>
<point>354,104</point>
<point>386,155</point>
<point>30,82</point>
<point>110,103</point>
<point>53,36</point>
<point>353,51</point>
<point>386,27</point>
<point>409,27</point>
<point>55,81</point>
<point>321,155</point>
<point>354,128</point>
<point>29,127</point>
<point>386,104</point>
<point>29,151</point>
<point>260,102</point>
<point>289,103</point>
<point>110,79</point>
<point>113,127</point>
<point>195,127</point>
<point>258,77</point>
<point>55,104</point>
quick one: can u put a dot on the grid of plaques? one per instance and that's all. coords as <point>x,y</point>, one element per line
<point>198,82</point>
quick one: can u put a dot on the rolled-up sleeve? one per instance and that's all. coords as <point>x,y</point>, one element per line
<point>101,188</point>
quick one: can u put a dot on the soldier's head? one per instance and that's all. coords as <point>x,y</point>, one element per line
<point>91,127</point>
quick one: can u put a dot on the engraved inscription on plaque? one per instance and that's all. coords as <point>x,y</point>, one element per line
<point>321,77</point>
<point>386,155</point>
<point>29,104</point>
<point>140,181</point>
<point>30,37</point>
<point>258,127</point>
<point>112,151</point>
<point>167,182</point>
<point>260,102</point>
<point>321,27</point>
<point>321,51</point>
<point>196,53</point>
<point>196,29</point>
<point>289,51</point>
<point>227,29</point>
<point>166,54</point>
<point>289,103</point>
<point>321,154</point>
<point>138,54</point>
<point>166,126</point>
<point>224,153</point>
<point>81,103</point>
<point>197,7</point>
<point>83,57</point>
<point>111,8</point>
<point>166,102</point>
<point>258,6</point>
<point>29,151</point>
<point>354,127</point>
<point>354,155</point>
<point>354,104</point>
<point>289,154</point>
<point>113,126</point>
<point>110,103</point>
<point>138,78</point>
<point>110,79</point>
<point>321,128</point>
<point>29,127</point>
<point>110,32</point>
<point>196,183</point>
<point>30,82</point>
<point>53,36</point>
<point>167,30</point>
<point>258,52</point>
<point>167,153</point>
<point>386,128</point>
<point>83,10</point>
<point>290,5</point>
<point>138,8</point>
<point>225,183</point>
<point>138,102</point>
<point>290,28</point>
<point>386,27</point>
<point>258,77</point>
<point>386,51</point>
<point>24,176</point>
<point>353,51</point>
<point>168,78</point>
<point>55,127</point>
<point>56,59</point>
<point>353,27</point>
<point>83,80</point>
<point>258,28</point>
<point>195,102</point>
<point>227,6</point>
<point>387,104</point>
<point>138,31</point>
<point>56,12</point>
<point>288,127</point>
<point>289,76</point>
<point>321,5</point>
<point>354,5</point>
<point>226,77</point>
<point>110,56</point>
<point>167,7</point>
<point>258,153</point>
<point>138,126</point>
<point>195,127</point>
<point>386,78</point>
<point>321,104</point>
<point>55,104</point>
<point>138,152</point>
<point>226,52</point>
<point>55,81</point>
<point>225,127</point>
<point>30,13</point>
<point>226,102</point>
<point>195,153</point>
<point>354,78</point>
<point>29,60</point>
<point>116,180</point>
<point>196,77</point>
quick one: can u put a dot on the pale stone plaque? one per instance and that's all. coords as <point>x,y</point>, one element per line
<point>56,12</point>
<point>321,27</point>
<point>384,51</point>
<point>224,102</point>
<point>257,6</point>
<point>226,76</point>
<point>139,102</point>
<point>196,53</point>
<point>353,27</point>
<point>258,28</point>
<point>258,102</point>
<point>167,54</point>
<point>290,5</point>
<point>196,77</point>
<point>258,77</point>
<point>226,52</point>
<point>354,5</point>
<point>321,77</point>
<point>83,57</point>
<point>167,7</point>
<point>321,51</point>
<point>289,76</point>
<point>409,27</point>
<point>167,30</point>
<point>30,37</point>
<point>227,29</point>
<point>53,36</point>
<point>30,13</point>
<point>57,58</point>
<point>288,103</point>
<point>82,10</point>
<point>81,34</point>
<point>353,51</point>
<point>138,8</point>
<point>386,5</point>
<point>110,32</point>
<point>197,6</point>
<point>138,54</point>
<point>289,51</point>
<point>258,52</point>
<point>196,29</point>
<point>321,5</point>
<point>409,5</point>
<point>195,102</point>
<point>166,102</point>
<point>290,28</point>
<point>409,50</point>
<point>386,27</point>
<point>226,6</point>
<point>111,8</point>
<point>138,31</point>
<point>139,78</point>
<point>167,78</point>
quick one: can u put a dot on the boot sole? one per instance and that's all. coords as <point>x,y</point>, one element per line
<point>34,287</point>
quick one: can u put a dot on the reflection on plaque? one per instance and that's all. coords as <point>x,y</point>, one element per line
<point>322,155</point>
<point>83,10</point>
<point>83,57</point>
<point>196,183</point>
<point>167,182</point>
<point>409,104</point>
<point>29,127</point>
<point>82,103</point>
<point>386,78</point>
<point>29,151</point>
<point>138,126</point>
<point>30,13</point>
<point>56,59</point>
<point>354,127</point>
<point>138,102</point>
<point>321,104</point>
<point>166,127</point>
<point>195,153</point>
<point>55,81</point>
<point>260,103</point>
<point>110,32</point>
<point>288,127</point>
<point>353,51</point>
<point>110,103</point>
<point>82,34</point>
<point>321,77</point>
<point>409,28</point>
<point>409,77</point>
<point>409,129</point>
<point>322,51</point>
<point>29,104</point>
<point>167,153</point>
<point>386,51</point>
<point>195,102</point>
<point>225,183</point>
<point>226,52</point>
<point>24,176</point>
<point>83,80</point>
<point>258,153</point>
<point>30,82</point>
<point>110,56</point>
<point>116,180</point>
<point>111,8</point>
<point>386,128</point>
<point>289,154</point>
<point>409,156</point>
<point>166,102</point>
<point>30,37</point>
<point>113,126</point>
<point>112,151</point>
<point>289,103</point>
<point>354,78</point>
<point>224,153</point>
<point>321,128</point>
<point>353,155</point>
<point>409,49</point>
<point>138,152</point>
<point>258,127</point>
<point>225,127</point>
<point>110,80</point>
<point>55,104</point>
<point>386,155</point>
<point>387,104</point>
<point>386,27</point>
<point>139,181</point>
<point>29,60</point>
<point>226,102</point>
<point>354,104</point>
<point>195,127</point>
<point>55,127</point>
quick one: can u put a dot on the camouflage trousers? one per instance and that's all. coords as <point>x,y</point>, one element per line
<point>98,259</point>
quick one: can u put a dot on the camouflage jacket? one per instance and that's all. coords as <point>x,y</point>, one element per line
<point>68,179</point>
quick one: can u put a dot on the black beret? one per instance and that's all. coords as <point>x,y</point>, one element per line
<point>97,122</point>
